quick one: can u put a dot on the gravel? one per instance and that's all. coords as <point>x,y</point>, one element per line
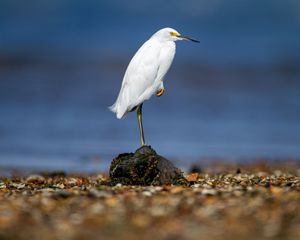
<point>253,202</point>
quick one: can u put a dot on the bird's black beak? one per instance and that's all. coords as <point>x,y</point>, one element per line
<point>190,39</point>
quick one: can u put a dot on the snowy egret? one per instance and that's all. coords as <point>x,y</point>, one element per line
<point>145,74</point>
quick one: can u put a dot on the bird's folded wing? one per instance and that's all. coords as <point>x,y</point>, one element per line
<point>141,75</point>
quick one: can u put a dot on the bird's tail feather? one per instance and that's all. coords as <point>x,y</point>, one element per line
<point>116,109</point>
<point>112,108</point>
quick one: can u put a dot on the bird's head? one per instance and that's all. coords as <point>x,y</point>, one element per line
<point>170,34</point>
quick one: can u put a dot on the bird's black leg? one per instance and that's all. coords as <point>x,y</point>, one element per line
<point>139,116</point>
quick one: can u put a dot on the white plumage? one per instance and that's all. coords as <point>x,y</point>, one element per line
<point>146,71</point>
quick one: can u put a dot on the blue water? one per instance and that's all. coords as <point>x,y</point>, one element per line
<point>235,96</point>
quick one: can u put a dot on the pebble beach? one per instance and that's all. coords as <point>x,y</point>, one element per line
<point>220,202</point>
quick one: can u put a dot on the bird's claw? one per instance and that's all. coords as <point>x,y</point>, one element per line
<point>160,92</point>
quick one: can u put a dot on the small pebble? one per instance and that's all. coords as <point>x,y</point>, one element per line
<point>147,193</point>
<point>209,192</point>
<point>35,179</point>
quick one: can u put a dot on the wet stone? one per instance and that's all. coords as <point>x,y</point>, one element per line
<point>144,167</point>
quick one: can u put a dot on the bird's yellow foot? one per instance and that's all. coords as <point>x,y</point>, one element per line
<point>160,92</point>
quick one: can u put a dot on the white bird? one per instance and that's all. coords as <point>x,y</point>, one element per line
<point>145,73</point>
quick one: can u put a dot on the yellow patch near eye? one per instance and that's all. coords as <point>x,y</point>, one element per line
<point>174,34</point>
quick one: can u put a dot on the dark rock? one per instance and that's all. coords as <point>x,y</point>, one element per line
<point>144,167</point>
<point>195,169</point>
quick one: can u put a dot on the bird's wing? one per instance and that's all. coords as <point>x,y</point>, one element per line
<point>166,57</point>
<point>154,68</point>
<point>144,74</point>
<point>141,74</point>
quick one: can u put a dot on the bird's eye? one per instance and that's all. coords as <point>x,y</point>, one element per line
<point>174,34</point>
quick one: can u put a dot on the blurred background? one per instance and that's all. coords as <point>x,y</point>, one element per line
<point>235,96</point>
